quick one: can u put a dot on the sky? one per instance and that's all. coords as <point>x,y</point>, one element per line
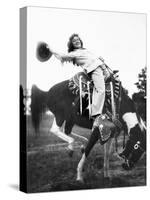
<point>120,38</point>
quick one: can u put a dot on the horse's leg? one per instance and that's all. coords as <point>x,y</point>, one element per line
<point>68,126</point>
<point>93,139</point>
<point>67,130</point>
<point>107,151</point>
<point>56,130</point>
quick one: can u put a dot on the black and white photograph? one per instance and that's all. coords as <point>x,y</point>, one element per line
<point>83,79</point>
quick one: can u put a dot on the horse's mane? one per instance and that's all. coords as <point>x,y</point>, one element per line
<point>59,85</point>
<point>60,93</point>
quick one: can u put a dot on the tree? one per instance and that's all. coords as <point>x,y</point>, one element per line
<point>139,98</point>
<point>141,84</point>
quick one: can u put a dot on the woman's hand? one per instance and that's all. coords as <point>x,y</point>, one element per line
<point>57,55</point>
<point>61,56</point>
<point>50,49</point>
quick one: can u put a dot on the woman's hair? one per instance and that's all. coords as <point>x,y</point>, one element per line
<point>70,45</point>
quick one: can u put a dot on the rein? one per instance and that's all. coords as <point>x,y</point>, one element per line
<point>138,146</point>
<point>115,108</point>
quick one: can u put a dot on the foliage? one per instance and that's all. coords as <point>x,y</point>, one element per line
<point>141,84</point>
<point>140,104</point>
<point>139,98</point>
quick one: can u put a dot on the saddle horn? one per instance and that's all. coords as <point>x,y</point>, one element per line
<point>43,52</point>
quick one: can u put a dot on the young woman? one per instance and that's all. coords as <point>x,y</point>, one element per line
<point>92,65</point>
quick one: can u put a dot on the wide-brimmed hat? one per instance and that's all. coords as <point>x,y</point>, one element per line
<point>43,52</point>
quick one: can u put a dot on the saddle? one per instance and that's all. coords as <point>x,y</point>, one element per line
<point>81,86</point>
<point>82,81</point>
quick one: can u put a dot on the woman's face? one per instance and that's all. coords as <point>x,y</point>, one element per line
<point>76,42</point>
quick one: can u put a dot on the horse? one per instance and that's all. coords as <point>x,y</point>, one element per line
<point>130,121</point>
<point>61,101</point>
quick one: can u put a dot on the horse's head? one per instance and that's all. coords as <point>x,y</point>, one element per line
<point>135,147</point>
<point>136,144</point>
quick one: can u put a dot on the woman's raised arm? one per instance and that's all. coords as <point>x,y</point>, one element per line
<point>61,56</point>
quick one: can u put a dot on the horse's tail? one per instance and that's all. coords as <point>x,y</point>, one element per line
<point>38,106</point>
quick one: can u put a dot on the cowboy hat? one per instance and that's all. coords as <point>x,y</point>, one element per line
<point>43,52</point>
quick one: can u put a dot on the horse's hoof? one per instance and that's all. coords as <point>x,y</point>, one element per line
<point>70,153</point>
<point>80,180</point>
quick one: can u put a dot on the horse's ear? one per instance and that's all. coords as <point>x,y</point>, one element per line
<point>43,52</point>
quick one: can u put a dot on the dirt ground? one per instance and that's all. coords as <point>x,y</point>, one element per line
<point>49,167</point>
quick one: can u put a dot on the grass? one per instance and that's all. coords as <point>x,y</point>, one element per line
<point>54,170</point>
